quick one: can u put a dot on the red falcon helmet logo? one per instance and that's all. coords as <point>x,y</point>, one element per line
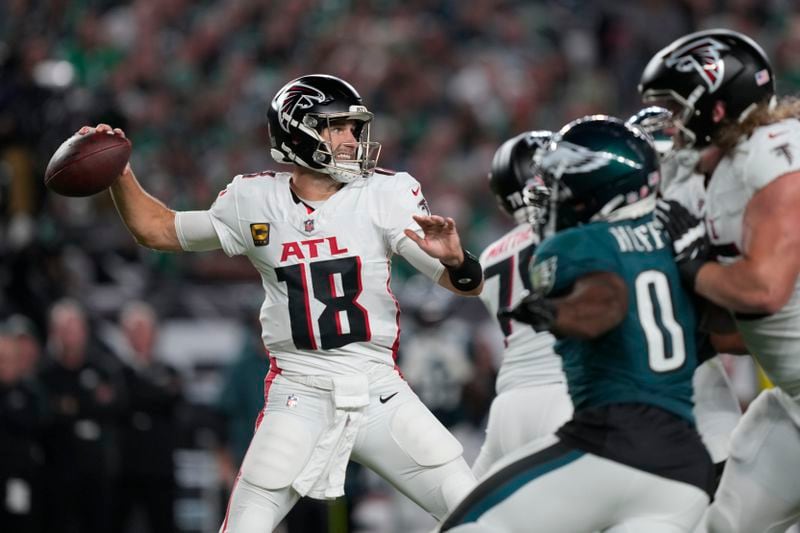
<point>703,56</point>
<point>298,96</point>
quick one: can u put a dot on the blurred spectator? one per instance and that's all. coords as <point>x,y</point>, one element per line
<point>84,402</point>
<point>29,348</point>
<point>21,454</point>
<point>147,431</point>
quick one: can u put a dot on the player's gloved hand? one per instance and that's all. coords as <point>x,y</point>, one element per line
<point>534,310</point>
<point>690,244</point>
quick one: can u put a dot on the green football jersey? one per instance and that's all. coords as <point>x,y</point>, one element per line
<point>650,356</point>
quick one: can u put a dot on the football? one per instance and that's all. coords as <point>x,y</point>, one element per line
<point>87,164</point>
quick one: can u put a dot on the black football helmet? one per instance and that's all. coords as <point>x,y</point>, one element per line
<point>655,120</point>
<point>599,168</point>
<point>514,178</point>
<point>690,75</point>
<point>302,109</point>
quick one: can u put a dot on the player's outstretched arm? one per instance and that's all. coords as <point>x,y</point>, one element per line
<point>150,222</point>
<point>463,274</point>
<point>596,303</point>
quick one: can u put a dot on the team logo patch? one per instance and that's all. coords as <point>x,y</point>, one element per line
<point>543,275</point>
<point>308,225</point>
<point>569,158</point>
<point>423,206</point>
<point>298,96</point>
<point>784,151</point>
<point>291,401</point>
<point>702,56</point>
<point>260,233</point>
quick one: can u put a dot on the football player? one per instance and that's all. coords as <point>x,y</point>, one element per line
<point>605,284</point>
<point>720,87</point>
<point>322,236</point>
<point>532,399</point>
<point>716,407</point>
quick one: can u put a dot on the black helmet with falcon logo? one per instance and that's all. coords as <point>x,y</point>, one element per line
<point>694,72</point>
<point>302,109</point>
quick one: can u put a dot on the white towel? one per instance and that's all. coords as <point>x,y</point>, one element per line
<point>323,475</point>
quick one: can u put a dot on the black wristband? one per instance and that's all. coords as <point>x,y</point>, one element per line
<point>468,275</point>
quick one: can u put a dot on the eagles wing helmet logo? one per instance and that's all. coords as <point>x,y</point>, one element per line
<point>298,96</point>
<point>702,56</point>
<point>570,158</point>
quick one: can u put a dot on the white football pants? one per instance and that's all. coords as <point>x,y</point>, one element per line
<point>760,486</point>
<point>520,416</point>
<point>399,438</point>
<point>577,492</point>
<point>716,408</point>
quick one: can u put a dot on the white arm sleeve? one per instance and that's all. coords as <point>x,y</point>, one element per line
<point>196,232</point>
<point>426,264</point>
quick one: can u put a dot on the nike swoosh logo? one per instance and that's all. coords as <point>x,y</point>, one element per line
<point>387,398</point>
<point>415,192</point>
<point>773,135</point>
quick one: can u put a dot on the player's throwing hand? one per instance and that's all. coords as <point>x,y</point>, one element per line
<point>441,239</point>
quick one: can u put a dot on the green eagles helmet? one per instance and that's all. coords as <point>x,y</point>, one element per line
<point>599,168</point>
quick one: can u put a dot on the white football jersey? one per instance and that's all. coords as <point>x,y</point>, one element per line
<point>328,305</point>
<point>771,152</point>
<point>528,358</point>
<point>680,182</point>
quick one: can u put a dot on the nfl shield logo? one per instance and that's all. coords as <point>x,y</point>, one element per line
<point>291,401</point>
<point>308,225</point>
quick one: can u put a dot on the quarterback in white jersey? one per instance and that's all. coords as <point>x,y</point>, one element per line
<point>322,238</point>
<point>532,399</point>
<point>722,84</point>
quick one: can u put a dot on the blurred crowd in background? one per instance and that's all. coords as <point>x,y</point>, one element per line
<point>116,413</point>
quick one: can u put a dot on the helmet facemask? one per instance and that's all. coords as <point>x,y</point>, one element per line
<point>536,197</point>
<point>658,122</point>
<point>347,161</point>
<point>683,112</point>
